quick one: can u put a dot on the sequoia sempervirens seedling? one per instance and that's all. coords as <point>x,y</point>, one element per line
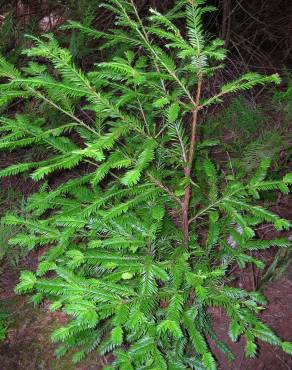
<point>138,233</point>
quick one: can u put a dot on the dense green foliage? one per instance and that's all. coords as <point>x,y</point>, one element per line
<point>143,233</point>
<point>249,133</point>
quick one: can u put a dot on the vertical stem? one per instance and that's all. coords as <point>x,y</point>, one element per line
<point>187,169</point>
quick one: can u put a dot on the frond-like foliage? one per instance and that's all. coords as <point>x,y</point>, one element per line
<point>120,266</point>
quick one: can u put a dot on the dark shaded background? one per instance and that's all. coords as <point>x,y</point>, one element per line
<point>258,33</point>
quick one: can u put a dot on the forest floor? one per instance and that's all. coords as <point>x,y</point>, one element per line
<point>28,345</point>
<point>277,316</point>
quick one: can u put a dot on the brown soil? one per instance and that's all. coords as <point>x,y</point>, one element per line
<point>277,316</point>
<point>278,312</point>
<point>28,345</point>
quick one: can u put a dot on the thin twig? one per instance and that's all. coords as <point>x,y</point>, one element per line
<point>165,188</point>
